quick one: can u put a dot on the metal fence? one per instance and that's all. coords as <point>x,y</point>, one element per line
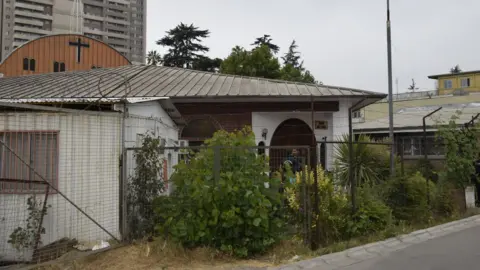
<point>140,216</point>
<point>67,183</point>
<point>59,181</point>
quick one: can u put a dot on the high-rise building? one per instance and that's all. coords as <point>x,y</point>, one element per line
<point>119,23</point>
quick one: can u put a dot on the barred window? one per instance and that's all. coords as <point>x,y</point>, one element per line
<point>22,154</point>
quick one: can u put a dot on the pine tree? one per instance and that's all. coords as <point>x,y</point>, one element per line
<point>266,41</point>
<point>184,45</point>
<point>292,57</point>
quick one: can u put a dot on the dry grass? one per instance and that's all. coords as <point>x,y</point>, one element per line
<point>156,255</point>
<point>165,255</point>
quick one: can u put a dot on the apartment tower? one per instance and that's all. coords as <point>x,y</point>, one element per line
<point>119,23</point>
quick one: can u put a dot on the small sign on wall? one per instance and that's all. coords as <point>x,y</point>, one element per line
<point>323,124</point>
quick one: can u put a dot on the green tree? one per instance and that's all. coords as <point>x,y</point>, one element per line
<point>184,45</point>
<point>266,41</point>
<point>259,62</point>
<point>462,148</point>
<point>292,57</point>
<point>204,63</point>
<point>456,69</point>
<point>293,69</point>
<point>154,58</point>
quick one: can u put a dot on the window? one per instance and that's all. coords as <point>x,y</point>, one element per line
<point>414,146</point>
<point>32,64</point>
<point>27,153</point>
<point>447,84</point>
<point>58,67</point>
<point>465,82</point>
<point>25,63</point>
<point>357,114</point>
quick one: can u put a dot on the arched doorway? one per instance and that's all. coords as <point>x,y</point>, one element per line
<point>291,132</point>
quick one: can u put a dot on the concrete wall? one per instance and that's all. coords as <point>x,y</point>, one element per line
<point>89,150</point>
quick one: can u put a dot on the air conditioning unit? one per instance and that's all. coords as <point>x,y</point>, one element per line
<point>183,143</point>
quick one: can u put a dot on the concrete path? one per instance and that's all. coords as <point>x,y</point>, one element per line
<point>455,245</point>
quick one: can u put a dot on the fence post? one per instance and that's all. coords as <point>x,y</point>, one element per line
<point>36,256</point>
<point>402,160</point>
<point>216,164</point>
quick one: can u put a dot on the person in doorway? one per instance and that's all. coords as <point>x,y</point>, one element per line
<point>293,161</point>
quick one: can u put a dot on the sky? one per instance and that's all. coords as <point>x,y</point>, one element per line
<point>343,43</point>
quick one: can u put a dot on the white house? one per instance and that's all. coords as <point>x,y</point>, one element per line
<point>159,99</point>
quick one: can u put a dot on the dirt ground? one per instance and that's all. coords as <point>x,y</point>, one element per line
<point>154,256</point>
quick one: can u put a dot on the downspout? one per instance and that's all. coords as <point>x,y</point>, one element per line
<point>353,184</point>
<point>425,147</point>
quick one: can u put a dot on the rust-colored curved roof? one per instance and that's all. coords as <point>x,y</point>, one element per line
<point>47,50</point>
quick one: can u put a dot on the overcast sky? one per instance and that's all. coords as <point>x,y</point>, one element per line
<point>342,42</point>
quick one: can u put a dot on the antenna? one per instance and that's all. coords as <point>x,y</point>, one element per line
<point>76,18</point>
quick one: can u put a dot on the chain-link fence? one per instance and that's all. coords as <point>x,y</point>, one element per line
<point>59,181</point>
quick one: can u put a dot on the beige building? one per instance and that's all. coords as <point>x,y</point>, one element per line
<point>119,23</point>
<point>379,110</point>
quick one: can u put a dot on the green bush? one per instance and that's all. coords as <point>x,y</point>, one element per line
<point>371,162</point>
<point>407,197</point>
<point>335,216</point>
<point>444,204</point>
<point>333,204</point>
<point>372,215</point>
<point>238,213</point>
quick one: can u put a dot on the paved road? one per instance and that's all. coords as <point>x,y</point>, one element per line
<point>458,251</point>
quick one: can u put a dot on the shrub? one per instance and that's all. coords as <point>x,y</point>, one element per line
<point>372,215</point>
<point>238,213</point>
<point>445,204</point>
<point>407,196</point>
<point>370,164</point>
<point>333,204</point>
<point>144,186</point>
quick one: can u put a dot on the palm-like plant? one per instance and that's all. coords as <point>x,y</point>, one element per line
<point>370,161</point>
<point>154,58</point>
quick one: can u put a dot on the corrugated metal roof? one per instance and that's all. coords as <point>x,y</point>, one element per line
<point>153,81</point>
<point>412,118</point>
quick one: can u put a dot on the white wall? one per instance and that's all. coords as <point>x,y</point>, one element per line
<point>337,125</point>
<point>149,117</point>
<point>88,174</point>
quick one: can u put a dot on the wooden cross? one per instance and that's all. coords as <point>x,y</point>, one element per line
<point>79,45</point>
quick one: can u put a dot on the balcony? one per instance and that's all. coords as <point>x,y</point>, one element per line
<point>95,31</point>
<point>29,22</point>
<point>30,6</point>
<point>32,30</point>
<point>122,22</point>
<point>93,17</point>
<point>34,15</point>
<point>45,2</point>
<point>122,36</point>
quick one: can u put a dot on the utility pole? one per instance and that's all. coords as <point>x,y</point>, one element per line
<point>390,91</point>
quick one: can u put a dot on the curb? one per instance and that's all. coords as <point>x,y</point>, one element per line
<point>382,248</point>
